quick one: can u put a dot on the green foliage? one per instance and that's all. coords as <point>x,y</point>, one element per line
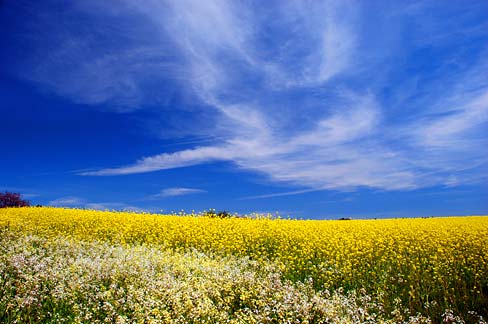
<point>220,214</point>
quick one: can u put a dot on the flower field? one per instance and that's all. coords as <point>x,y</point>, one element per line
<point>67,265</point>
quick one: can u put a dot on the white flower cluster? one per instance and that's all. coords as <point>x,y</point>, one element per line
<point>58,280</point>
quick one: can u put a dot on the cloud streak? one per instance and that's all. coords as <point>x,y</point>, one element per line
<point>167,161</point>
<point>66,202</point>
<point>175,192</point>
<point>77,202</point>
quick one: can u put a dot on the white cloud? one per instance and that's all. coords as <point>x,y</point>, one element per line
<point>280,194</point>
<point>345,125</point>
<point>178,191</point>
<point>168,161</point>
<point>449,131</point>
<point>69,201</point>
<point>338,43</point>
<point>72,201</point>
<point>327,157</point>
<point>113,206</point>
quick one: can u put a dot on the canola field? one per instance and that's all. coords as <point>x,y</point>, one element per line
<point>96,266</point>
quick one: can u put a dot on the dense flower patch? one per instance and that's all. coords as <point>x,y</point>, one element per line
<point>407,266</point>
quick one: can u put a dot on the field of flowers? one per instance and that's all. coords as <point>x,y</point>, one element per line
<point>201,269</point>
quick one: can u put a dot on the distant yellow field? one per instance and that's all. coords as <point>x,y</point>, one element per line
<point>427,265</point>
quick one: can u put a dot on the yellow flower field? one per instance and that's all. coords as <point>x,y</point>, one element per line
<point>414,266</point>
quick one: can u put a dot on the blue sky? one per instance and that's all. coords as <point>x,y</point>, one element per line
<point>313,109</point>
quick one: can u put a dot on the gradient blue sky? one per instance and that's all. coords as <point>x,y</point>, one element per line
<point>313,109</point>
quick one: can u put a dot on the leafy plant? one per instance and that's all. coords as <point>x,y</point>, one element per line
<point>219,214</point>
<point>12,199</point>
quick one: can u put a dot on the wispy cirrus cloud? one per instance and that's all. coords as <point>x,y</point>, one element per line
<point>279,194</point>
<point>68,201</point>
<point>177,191</point>
<point>167,161</point>
<point>73,201</point>
<point>331,95</point>
<point>113,206</point>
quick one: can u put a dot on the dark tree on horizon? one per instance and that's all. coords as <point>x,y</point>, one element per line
<point>12,199</point>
